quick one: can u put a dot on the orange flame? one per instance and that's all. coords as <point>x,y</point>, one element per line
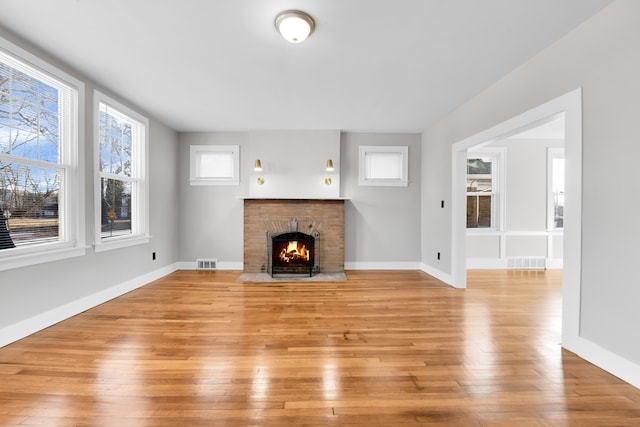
<point>292,252</point>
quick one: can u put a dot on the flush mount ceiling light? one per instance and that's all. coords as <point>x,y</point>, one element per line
<point>294,25</point>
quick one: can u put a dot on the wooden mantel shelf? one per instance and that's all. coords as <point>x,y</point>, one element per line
<point>292,198</point>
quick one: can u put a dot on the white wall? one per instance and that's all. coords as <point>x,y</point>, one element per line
<point>382,224</point>
<point>211,217</point>
<point>601,56</point>
<point>35,297</point>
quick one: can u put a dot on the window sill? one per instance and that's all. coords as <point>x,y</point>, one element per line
<point>119,243</point>
<point>383,183</point>
<point>34,258</point>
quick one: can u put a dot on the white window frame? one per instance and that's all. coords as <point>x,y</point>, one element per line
<point>195,178</point>
<point>399,153</point>
<point>498,205</point>
<point>139,176</point>
<point>552,153</point>
<point>71,242</point>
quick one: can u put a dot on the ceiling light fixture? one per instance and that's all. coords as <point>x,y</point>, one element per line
<point>294,25</point>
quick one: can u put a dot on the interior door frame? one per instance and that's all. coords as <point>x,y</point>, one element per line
<point>570,105</point>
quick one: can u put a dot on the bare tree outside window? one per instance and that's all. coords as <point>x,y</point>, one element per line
<point>29,158</point>
<point>116,143</point>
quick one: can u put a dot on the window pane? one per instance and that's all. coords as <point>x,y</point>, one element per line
<point>24,123</point>
<point>29,204</point>
<point>24,87</point>
<point>48,138</point>
<point>116,208</point>
<point>479,176</point>
<point>383,165</point>
<point>115,144</point>
<point>28,116</point>
<point>5,78</point>
<point>479,211</point>
<point>5,127</point>
<point>214,164</point>
<point>557,187</point>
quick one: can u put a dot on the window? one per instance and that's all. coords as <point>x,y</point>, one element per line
<point>483,186</point>
<point>384,165</point>
<point>40,173</point>
<point>555,185</point>
<point>122,185</point>
<point>214,165</point>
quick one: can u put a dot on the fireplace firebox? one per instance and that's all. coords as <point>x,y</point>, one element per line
<point>293,252</point>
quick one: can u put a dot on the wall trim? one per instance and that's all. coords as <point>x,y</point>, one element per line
<point>605,359</point>
<point>398,265</point>
<point>41,321</point>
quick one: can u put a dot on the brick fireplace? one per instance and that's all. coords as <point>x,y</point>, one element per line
<point>270,216</point>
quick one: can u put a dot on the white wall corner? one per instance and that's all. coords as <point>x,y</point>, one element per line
<point>41,321</point>
<point>440,275</point>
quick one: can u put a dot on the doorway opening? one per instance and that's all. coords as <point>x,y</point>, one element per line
<point>569,105</point>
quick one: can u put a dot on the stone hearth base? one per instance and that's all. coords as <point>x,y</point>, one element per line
<point>265,278</point>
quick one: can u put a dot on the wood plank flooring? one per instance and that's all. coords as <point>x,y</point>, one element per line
<point>390,348</point>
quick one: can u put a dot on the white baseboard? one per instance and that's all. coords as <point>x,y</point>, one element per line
<point>555,263</point>
<point>382,266</point>
<point>41,321</point>
<point>440,275</point>
<point>610,362</point>
<point>188,265</point>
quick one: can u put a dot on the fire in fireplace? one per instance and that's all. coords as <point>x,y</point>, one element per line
<point>294,252</point>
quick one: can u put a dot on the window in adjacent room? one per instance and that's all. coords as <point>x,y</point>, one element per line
<point>40,203</point>
<point>483,186</point>
<point>122,185</point>
<point>555,188</point>
<point>214,165</point>
<point>384,166</point>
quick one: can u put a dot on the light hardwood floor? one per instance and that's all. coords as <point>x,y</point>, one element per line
<point>386,348</point>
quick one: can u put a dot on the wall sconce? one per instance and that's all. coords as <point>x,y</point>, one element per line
<point>329,168</point>
<point>329,165</point>
<point>258,168</point>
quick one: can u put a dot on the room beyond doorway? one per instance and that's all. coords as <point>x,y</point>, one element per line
<point>515,199</point>
<point>571,105</point>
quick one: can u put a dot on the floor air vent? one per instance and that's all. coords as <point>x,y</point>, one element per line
<point>206,264</point>
<point>527,262</point>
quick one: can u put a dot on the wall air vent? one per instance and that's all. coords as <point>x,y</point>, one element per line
<point>206,264</point>
<point>527,262</point>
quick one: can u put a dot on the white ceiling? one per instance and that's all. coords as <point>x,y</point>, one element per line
<point>370,65</point>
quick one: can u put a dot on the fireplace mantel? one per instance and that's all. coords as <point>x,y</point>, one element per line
<point>293,198</point>
<point>328,213</point>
